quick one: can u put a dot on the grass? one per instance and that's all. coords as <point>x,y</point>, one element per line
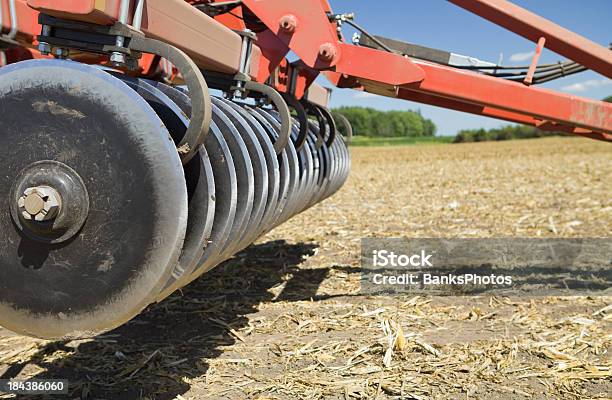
<point>366,141</point>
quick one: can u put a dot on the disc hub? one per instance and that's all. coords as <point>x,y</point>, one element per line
<point>49,202</point>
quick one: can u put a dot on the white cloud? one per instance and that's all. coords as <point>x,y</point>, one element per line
<point>363,95</point>
<point>519,57</point>
<point>586,85</point>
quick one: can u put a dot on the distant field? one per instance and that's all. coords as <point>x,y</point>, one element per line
<point>367,141</point>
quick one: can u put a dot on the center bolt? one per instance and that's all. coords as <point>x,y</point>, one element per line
<point>40,203</point>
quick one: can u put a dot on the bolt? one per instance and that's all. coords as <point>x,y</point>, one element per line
<point>40,203</point>
<point>117,59</point>
<point>288,23</point>
<point>61,53</point>
<point>44,48</point>
<point>327,51</point>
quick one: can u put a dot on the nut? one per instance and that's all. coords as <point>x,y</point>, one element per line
<point>117,58</point>
<point>41,203</point>
<point>61,53</point>
<point>288,23</point>
<point>327,51</point>
<point>44,48</point>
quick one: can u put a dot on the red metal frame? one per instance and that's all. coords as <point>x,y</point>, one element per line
<point>304,28</point>
<point>511,96</point>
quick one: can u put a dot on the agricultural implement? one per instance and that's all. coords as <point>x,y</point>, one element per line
<point>143,142</point>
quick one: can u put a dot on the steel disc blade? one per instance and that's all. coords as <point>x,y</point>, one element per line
<point>294,189</point>
<point>198,175</point>
<point>135,218</point>
<point>334,170</point>
<point>304,173</point>
<point>314,176</point>
<point>322,155</point>
<point>307,171</point>
<point>285,169</point>
<point>338,167</point>
<point>260,171</point>
<point>327,157</point>
<point>226,188</point>
<point>245,178</point>
<point>272,163</point>
<point>224,173</point>
<point>345,163</point>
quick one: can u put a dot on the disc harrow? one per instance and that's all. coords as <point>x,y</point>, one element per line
<point>142,143</point>
<point>131,223</point>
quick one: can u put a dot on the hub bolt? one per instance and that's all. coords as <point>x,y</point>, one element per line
<point>288,23</point>
<point>40,203</point>
<point>327,52</point>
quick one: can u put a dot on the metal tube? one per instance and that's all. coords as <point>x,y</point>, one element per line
<point>14,25</point>
<point>247,63</point>
<point>116,57</point>
<point>123,11</point>
<point>243,53</point>
<point>123,18</point>
<point>137,20</point>
<point>1,20</point>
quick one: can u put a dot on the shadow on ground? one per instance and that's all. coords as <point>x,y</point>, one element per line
<point>156,354</point>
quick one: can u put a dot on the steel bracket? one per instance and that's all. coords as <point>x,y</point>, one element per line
<point>100,39</point>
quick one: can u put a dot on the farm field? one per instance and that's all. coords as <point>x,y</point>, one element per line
<point>285,319</point>
<point>368,141</point>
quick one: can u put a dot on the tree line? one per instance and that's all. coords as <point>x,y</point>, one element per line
<point>368,121</point>
<point>507,132</point>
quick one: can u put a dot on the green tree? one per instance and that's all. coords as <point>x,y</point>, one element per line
<point>370,122</point>
<point>506,132</point>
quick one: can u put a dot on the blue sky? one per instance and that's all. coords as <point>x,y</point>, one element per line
<point>442,25</point>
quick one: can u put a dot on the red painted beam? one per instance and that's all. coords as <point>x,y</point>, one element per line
<point>544,104</point>
<point>491,112</point>
<point>533,27</point>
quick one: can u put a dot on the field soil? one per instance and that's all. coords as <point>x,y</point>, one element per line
<point>285,319</point>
